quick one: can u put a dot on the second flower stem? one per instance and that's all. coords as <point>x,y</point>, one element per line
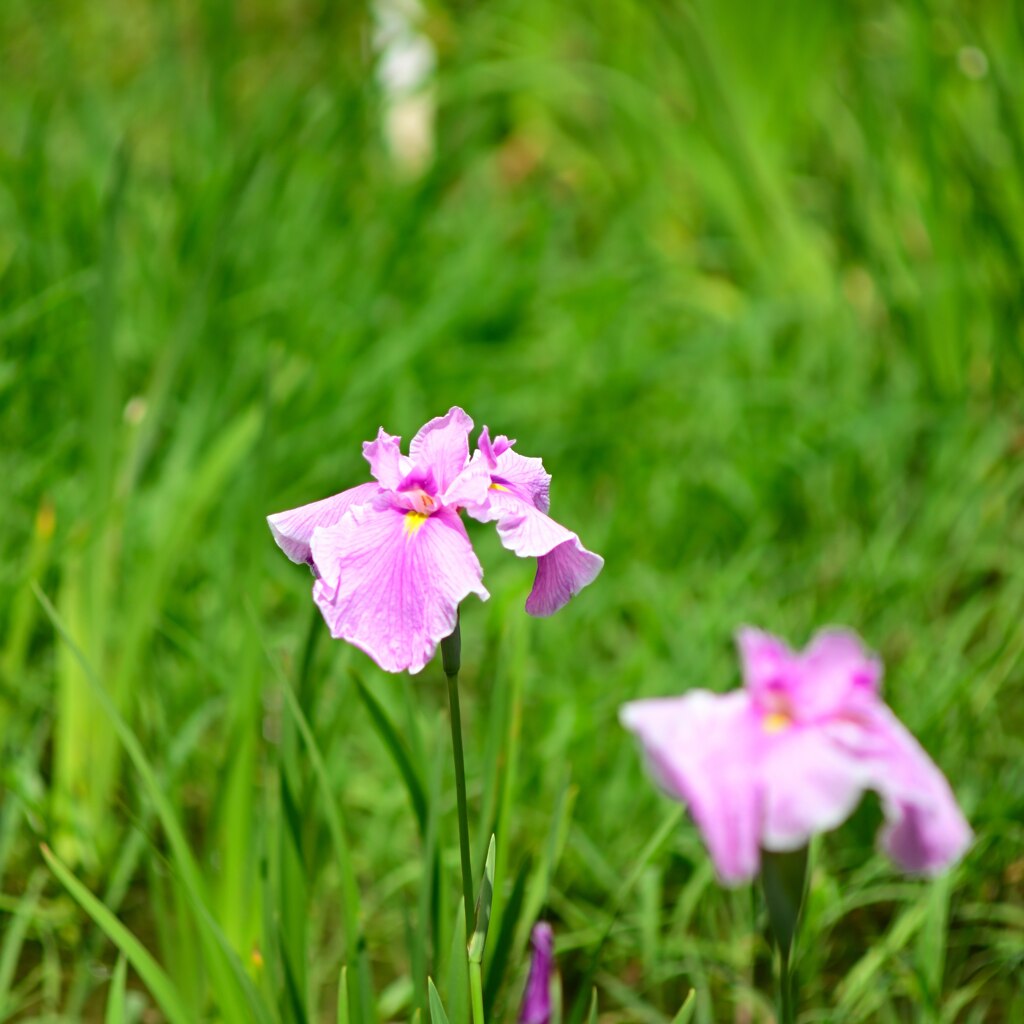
<point>451,658</point>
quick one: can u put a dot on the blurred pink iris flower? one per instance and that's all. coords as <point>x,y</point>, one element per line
<point>392,557</point>
<point>791,754</point>
<point>536,1008</point>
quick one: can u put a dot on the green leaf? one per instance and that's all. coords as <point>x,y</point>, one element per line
<point>355,944</point>
<point>396,747</point>
<point>235,987</point>
<point>152,975</point>
<point>502,945</point>
<point>784,877</point>
<point>483,909</point>
<point>115,999</point>
<point>685,1013</point>
<point>592,1016</point>
<point>437,1014</point>
<point>458,970</point>
<point>14,939</point>
<point>343,996</point>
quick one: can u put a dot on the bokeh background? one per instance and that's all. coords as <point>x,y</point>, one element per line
<point>747,276</point>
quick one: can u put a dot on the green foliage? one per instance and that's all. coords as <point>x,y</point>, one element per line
<point>746,276</point>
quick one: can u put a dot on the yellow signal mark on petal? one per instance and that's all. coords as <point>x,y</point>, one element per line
<point>498,487</point>
<point>413,521</point>
<point>776,722</point>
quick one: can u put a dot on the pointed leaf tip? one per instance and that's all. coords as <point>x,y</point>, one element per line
<point>483,908</point>
<point>686,1010</point>
<point>437,1014</point>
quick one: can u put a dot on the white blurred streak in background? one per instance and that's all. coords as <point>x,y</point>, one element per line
<point>405,65</point>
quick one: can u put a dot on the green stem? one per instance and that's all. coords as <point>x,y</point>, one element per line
<point>784,877</point>
<point>451,659</point>
<point>785,989</point>
<point>476,992</point>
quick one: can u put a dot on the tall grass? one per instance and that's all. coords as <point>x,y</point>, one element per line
<point>749,280</point>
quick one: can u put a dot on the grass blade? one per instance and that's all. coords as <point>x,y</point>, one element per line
<point>685,1013</point>
<point>115,1000</point>
<point>14,939</point>
<point>219,953</point>
<point>356,945</point>
<point>398,751</point>
<point>437,1014</point>
<point>152,975</point>
<point>343,996</point>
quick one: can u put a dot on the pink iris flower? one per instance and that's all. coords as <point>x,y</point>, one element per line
<point>392,557</point>
<point>536,1008</point>
<point>518,498</point>
<point>790,755</point>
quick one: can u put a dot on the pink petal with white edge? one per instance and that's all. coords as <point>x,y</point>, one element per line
<point>293,529</point>
<point>700,749</point>
<point>391,581</point>
<point>810,785</point>
<point>561,575</point>
<point>387,463</point>
<point>443,445</point>
<point>926,832</point>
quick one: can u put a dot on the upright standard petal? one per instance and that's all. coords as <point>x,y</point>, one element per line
<point>926,832</point>
<point>767,663</point>
<point>392,579</point>
<point>701,749</point>
<point>293,529</point>
<point>443,444</point>
<point>387,463</point>
<point>470,487</point>
<point>836,671</point>
<point>522,476</point>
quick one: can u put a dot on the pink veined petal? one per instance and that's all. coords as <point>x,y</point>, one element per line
<point>564,565</point>
<point>293,529</point>
<point>443,445</point>
<point>524,530</point>
<point>523,476</point>
<point>470,487</point>
<point>391,581</point>
<point>387,464</point>
<point>561,574</point>
<point>836,671</point>
<point>702,749</point>
<point>810,785</point>
<point>926,832</point>
<point>526,476</point>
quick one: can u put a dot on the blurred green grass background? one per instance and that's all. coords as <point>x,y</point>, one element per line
<point>747,277</point>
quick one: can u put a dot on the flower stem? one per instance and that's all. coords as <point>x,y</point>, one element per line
<point>785,989</point>
<point>784,877</point>
<point>451,659</point>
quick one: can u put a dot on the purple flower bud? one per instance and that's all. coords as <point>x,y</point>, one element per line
<point>536,1007</point>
